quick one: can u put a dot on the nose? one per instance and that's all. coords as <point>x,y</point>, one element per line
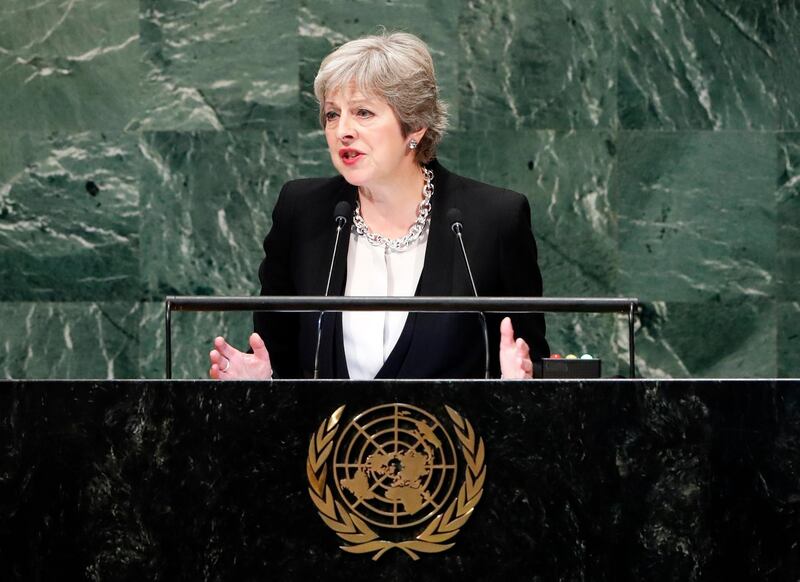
<point>345,131</point>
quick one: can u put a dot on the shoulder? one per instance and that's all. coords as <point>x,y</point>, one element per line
<point>304,188</point>
<point>309,198</point>
<point>489,203</point>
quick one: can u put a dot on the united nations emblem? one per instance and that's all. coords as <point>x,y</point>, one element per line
<point>394,469</point>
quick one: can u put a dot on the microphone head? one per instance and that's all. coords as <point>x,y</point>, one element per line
<point>454,218</point>
<point>342,212</point>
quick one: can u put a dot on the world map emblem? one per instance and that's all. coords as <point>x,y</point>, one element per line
<point>387,479</point>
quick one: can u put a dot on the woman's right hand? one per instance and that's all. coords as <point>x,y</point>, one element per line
<point>228,363</point>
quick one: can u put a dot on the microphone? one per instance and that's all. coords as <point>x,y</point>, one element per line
<point>340,214</point>
<point>454,218</point>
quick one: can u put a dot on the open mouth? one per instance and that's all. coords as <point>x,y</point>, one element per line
<point>350,156</point>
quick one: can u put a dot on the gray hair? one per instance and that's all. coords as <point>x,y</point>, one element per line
<point>396,67</point>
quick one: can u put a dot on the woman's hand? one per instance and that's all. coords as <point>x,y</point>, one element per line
<point>228,363</point>
<point>515,355</point>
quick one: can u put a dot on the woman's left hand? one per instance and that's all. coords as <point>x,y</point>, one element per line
<point>515,355</point>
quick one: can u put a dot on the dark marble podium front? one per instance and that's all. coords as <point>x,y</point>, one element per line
<point>595,480</point>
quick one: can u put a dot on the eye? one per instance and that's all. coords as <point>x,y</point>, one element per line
<point>331,115</point>
<point>364,113</point>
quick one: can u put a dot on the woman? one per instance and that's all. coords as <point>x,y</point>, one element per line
<point>383,120</point>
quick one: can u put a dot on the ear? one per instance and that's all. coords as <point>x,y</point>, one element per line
<point>417,135</point>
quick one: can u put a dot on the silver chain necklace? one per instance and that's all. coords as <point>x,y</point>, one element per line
<point>402,243</point>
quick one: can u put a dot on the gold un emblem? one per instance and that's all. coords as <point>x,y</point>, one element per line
<point>394,469</point>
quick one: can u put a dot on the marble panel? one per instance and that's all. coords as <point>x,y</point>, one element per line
<point>788,51</point>
<point>715,339</point>
<point>567,178</point>
<point>192,338</point>
<point>207,200</point>
<point>327,24</point>
<point>698,65</point>
<point>69,66</point>
<point>218,64</point>
<point>696,215</point>
<point>69,216</point>
<point>788,220</point>
<point>789,340</point>
<point>69,340</point>
<point>548,65</point>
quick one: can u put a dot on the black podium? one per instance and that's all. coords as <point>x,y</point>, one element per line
<point>594,480</point>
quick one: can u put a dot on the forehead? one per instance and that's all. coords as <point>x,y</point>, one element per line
<point>349,93</point>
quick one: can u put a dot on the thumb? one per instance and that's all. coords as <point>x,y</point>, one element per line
<point>259,348</point>
<point>506,333</point>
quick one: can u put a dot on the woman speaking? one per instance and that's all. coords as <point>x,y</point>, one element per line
<point>383,119</point>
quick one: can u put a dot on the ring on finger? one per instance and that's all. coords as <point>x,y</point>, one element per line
<point>227,365</point>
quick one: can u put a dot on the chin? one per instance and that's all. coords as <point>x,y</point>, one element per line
<point>354,177</point>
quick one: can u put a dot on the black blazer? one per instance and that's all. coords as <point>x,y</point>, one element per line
<point>502,253</point>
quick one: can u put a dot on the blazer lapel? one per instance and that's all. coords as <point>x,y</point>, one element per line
<point>437,272</point>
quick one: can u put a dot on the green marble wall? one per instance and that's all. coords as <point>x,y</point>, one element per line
<point>142,145</point>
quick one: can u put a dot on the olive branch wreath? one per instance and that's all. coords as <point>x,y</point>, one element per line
<point>355,531</point>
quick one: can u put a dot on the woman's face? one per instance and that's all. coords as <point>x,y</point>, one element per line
<point>364,137</point>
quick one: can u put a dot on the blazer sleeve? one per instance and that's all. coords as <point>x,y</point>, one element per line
<point>520,275</point>
<point>279,330</point>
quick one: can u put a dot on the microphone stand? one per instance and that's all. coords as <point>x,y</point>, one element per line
<point>341,220</point>
<point>457,227</point>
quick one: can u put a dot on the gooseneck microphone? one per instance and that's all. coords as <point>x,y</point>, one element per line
<point>341,213</point>
<point>454,218</point>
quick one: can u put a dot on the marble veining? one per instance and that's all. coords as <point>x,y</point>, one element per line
<point>697,65</point>
<point>788,203</point>
<point>68,65</point>
<point>666,339</point>
<point>189,49</point>
<point>788,47</point>
<point>689,228</point>
<point>544,66</point>
<point>208,197</point>
<point>63,340</point>
<point>69,216</point>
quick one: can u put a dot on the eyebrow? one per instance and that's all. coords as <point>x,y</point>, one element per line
<point>354,102</point>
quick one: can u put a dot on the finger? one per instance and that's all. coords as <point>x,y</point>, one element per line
<point>214,372</point>
<point>523,350</point>
<point>259,347</point>
<point>506,333</point>
<point>516,372</point>
<point>225,348</point>
<point>214,356</point>
<point>527,365</point>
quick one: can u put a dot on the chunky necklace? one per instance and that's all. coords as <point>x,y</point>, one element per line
<point>402,243</point>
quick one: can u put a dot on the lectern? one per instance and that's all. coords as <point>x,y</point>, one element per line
<point>400,480</point>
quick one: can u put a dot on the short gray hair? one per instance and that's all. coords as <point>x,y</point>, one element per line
<point>396,67</point>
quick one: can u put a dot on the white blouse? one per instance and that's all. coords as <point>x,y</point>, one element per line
<point>370,336</point>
